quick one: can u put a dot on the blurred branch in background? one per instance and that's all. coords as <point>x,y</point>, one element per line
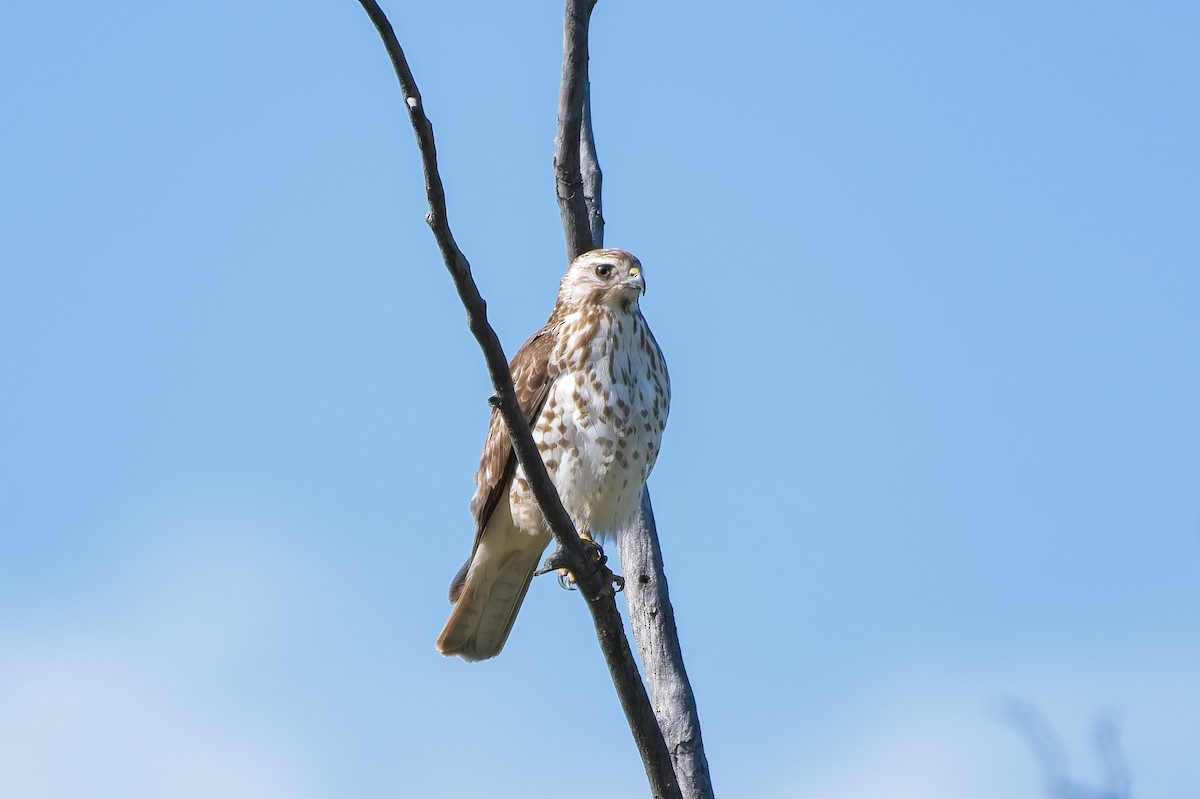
<point>1028,722</point>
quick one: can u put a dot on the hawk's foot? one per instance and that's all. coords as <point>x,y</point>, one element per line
<point>595,559</point>
<point>613,583</point>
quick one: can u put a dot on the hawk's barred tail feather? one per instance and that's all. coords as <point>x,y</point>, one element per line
<point>489,598</point>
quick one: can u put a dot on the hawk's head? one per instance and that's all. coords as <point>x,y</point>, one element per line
<point>603,277</point>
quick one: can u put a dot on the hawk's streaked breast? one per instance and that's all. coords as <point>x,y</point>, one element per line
<point>600,428</point>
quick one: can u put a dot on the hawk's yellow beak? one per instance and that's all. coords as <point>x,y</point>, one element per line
<point>636,280</point>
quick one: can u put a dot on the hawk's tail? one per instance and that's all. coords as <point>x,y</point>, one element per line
<point>490,595</point>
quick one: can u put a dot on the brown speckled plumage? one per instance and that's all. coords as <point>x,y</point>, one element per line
<point>594,387</point>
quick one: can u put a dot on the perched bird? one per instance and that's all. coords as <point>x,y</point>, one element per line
<point>593,385</point>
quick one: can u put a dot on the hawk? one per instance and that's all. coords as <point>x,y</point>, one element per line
<point>593,385</point>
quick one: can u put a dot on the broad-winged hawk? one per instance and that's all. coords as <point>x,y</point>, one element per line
<point>593,384</point>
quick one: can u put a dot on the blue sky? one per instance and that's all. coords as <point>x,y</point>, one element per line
<point>926,279</point>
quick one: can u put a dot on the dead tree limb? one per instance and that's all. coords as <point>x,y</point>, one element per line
<point>653,620</point>
<point>568,183</point>
<point>589,170</point>
<point>578,178</point>
<point>610,630</point>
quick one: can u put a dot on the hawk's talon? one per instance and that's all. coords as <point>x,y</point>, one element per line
<point>613,583</point>
<point>558,561</point>
<point>595,552</point>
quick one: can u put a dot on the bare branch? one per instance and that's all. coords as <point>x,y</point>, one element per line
<point>589,171</point>
<point>610,630</point>
<point>651,614</point>
<point>505,397</point>
<point>567,180</point>
<point>653,622</point>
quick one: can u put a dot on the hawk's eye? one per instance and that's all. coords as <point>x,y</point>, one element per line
<point>604,271</point>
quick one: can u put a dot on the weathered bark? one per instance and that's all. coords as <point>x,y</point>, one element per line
<point>653,622</point>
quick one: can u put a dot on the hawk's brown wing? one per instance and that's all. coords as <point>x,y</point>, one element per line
<point>530,369</point>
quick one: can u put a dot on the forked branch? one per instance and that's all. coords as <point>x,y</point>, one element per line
<point>609,629</point>
<point>651,614</point>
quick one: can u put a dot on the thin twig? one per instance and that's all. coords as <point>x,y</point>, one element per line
<point>460,270</point>
<point>589,171</point>
<point>610,630</point>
